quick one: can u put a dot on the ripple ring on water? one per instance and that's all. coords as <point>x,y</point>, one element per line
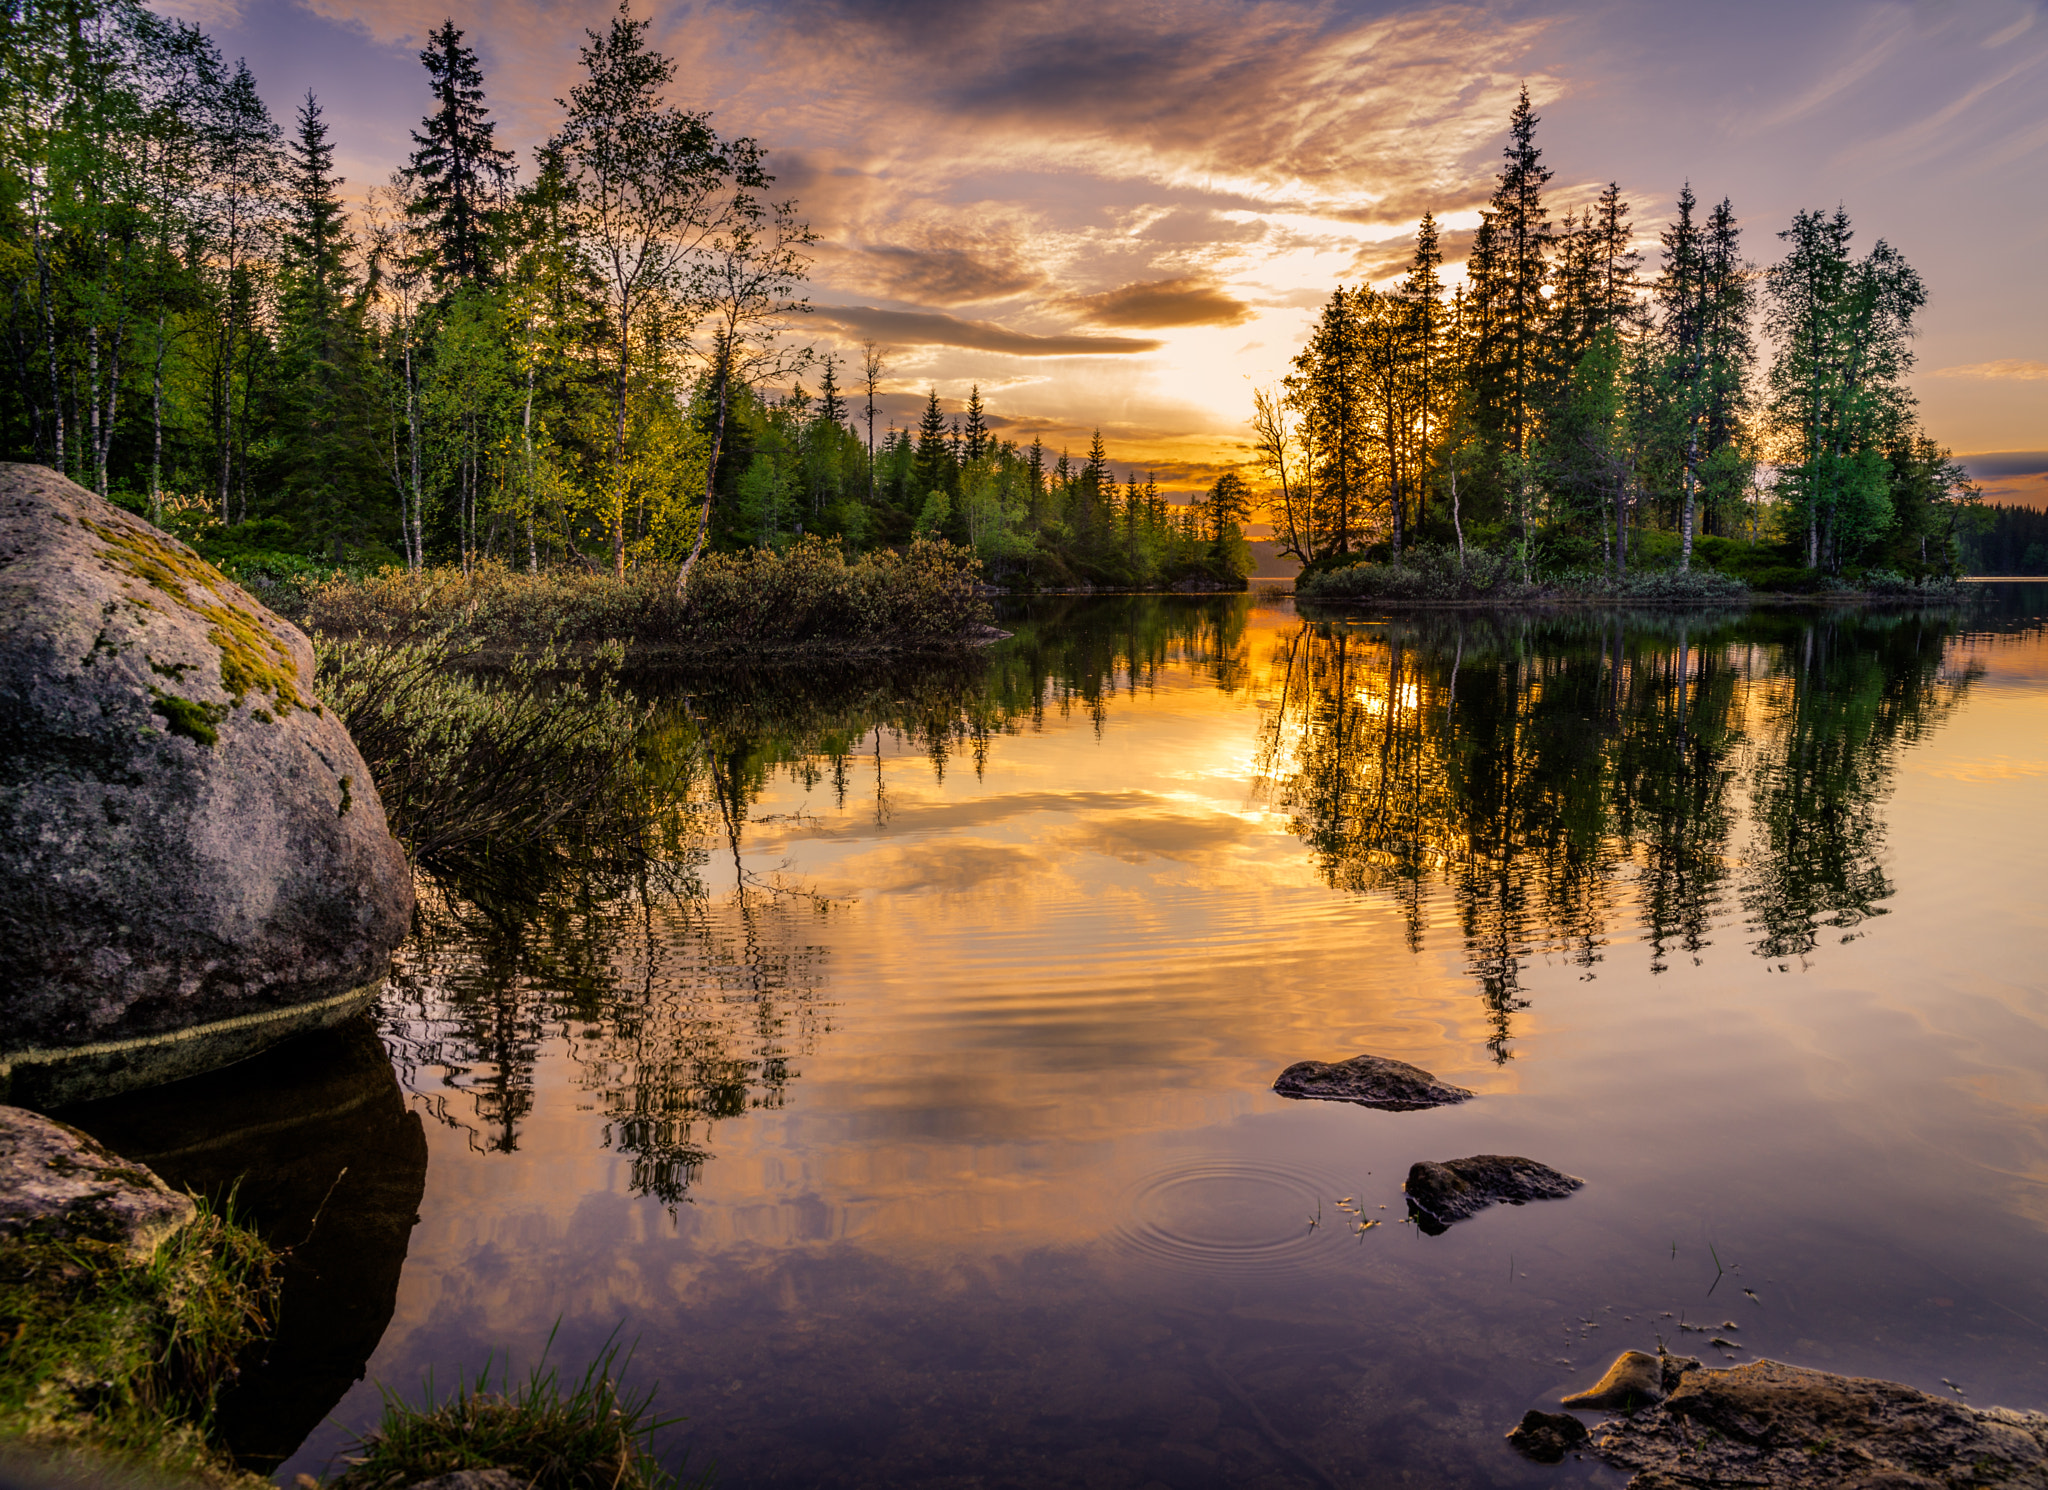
<point>1228,1216</point>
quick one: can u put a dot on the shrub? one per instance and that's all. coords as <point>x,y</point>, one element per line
<point>471,762</point>
<point>806,597</point>
<point>1433,574</point>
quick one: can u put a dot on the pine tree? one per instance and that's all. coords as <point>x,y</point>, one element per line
<point>1423,292</point>
<point>1729,354</point>
<point>457,172</point>
<point>831,406</point>
<point>316,234</point>
<point>1680,294</point>
<point>977,425</point>
<point>1522,238</point>
<point>933,460</point>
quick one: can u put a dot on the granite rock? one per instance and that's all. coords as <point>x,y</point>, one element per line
<point>188,840</point>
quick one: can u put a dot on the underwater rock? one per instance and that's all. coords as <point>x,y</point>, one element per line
<point>1440,1194</point>
<point>1546,1437</point>
<point>1791,1428</point>
<point>193,860</point>
<point>1636,1379</point>
<point>56,1182</point>
<point>1370,1081</point>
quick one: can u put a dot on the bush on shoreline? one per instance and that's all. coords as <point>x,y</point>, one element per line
<point>533,757</point>
<point>808,596</point>
<point>1435,575</point>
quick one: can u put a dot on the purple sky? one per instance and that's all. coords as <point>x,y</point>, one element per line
<point>1123,214</point>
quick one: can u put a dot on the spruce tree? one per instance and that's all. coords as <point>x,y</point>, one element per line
<point>457,172</point>
<point>977,425</point>
<point>933,461</point>
<point>1680,295</point>
<point>1522,239</point>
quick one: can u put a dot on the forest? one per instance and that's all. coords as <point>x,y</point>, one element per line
<point>1577,410</point>
<point>585,359</point>
<point>2008,540</point>
<point>594,358</point>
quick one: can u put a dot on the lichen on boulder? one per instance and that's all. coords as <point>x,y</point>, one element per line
<point>193,861</point>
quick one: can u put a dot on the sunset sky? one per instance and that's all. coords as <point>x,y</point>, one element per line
<point>1124,214</point>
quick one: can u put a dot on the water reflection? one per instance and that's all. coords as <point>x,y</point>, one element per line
<point>313,1141</point>
<point>1566,781</point>
<point>919,1121</point>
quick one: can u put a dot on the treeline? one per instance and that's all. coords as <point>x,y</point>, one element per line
<point>1579,410</point>
<point>2007,540</point>
<point>560,363</point>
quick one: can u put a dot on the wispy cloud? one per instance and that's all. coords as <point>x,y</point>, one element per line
<point>2006,368</point>
<point>1163,302</point>
<point>929,329</point>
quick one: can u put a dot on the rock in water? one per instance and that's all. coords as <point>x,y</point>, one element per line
<point>1636,1379</point>
<point>1440,1194</point>
<point>1783,1427</point>
<point>56,1182</point>
<point>1546,1437</point>
<point>193,861</point>
<point>1370,1081</point>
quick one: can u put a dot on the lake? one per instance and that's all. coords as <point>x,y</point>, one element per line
<point>915,1122</point>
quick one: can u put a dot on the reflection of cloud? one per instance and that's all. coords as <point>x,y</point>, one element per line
<point>920,328</point>
<point>1164,302</point>
<point>1990,768</point>
<point>2006,367</point>
<point>1164,836</point>
<point>948,864</point>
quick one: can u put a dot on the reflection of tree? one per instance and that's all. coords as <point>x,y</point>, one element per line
<point>671,1011</point>
<point>1548,772</point>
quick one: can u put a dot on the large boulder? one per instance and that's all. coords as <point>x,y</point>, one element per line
<point>193,861</point>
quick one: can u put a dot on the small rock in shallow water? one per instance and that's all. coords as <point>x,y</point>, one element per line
<point>1636,1379</point>
<point>1546,1437</point>
<point>56,1182</point>
<point>1439,1194</point>
<point>1370,1081</point>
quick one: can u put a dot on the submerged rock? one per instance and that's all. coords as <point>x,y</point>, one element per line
<point>1370,1081</point>
<point>1441,1194</point>
<point>193,861</point>
<point>56,1182</point>
<point>1546,1437</point>
<point>1636,1379</point>
<point>1780,1427</point>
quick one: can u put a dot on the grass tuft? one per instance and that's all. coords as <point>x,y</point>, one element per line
<point>587,1434</point>
<point>115,1368</point>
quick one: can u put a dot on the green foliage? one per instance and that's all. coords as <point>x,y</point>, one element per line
<point>1432,574</point>
<point>807,597</point>
<point>471,762</point>
<point>118,1366</point>
<point>590,1433</point>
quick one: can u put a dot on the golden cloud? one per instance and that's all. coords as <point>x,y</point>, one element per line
<point>1163,302</point>
<point>929,329</point>
<point>2013,368</point>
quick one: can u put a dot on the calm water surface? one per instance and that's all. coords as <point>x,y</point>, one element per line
<point>919,1127</point>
